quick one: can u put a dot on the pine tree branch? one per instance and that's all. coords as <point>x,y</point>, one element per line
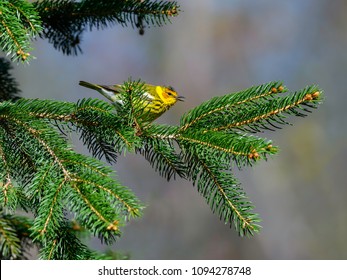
<point>241,149</point>
<point>9,240</point>
<point>19,23</point>
<point>222,192</point>
<point>254,113</point>
<point>60,179</point>
<point>105,133</point>
<point>296,104</point>
<point>220,105</point>
<point>64,21</point>
<point>14,236</point>
<point>65,246</point>
<point>163,158</point>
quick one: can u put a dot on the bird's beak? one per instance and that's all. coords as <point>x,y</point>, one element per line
<point>180,98</point>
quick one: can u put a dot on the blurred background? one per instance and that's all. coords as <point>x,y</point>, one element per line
<point>214,48</point>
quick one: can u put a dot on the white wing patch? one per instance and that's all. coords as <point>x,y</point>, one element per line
<point>109,95</point>
<point>148,96</point>
<point>115,98</point>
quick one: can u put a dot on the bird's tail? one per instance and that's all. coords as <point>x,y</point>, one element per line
<point>89,85</point>
<point>110,92</point>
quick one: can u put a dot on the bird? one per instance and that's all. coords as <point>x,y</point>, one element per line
<point>154,100</point>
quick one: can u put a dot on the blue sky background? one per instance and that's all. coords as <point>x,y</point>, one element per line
<point>213,48</point>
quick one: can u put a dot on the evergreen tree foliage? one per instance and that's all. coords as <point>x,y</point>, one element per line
<point>19,23</point>
<point>15,241</point>
<point>70,195</point>
<point>42,174</point>
<point>210,140</point>
<point>62,22</point>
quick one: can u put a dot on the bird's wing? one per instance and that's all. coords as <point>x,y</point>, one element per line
<point>110,92</point>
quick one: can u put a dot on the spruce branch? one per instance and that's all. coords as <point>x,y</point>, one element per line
<point>64,21</point>
<point>273,112</point>
<point>214,136</point>
<point>224,105</point>
<point>49,179</point>
<point>101,129</point>
<point>163,157</point>
<point>14,236</point>
<point>223,193</point>
<point>65,245</point>
<point>19,24</point>
<point>253,110</point>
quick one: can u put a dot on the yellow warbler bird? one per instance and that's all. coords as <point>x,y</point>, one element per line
<point>155,100</point>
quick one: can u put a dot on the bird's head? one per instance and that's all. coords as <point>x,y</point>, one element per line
<point>168,95</point>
